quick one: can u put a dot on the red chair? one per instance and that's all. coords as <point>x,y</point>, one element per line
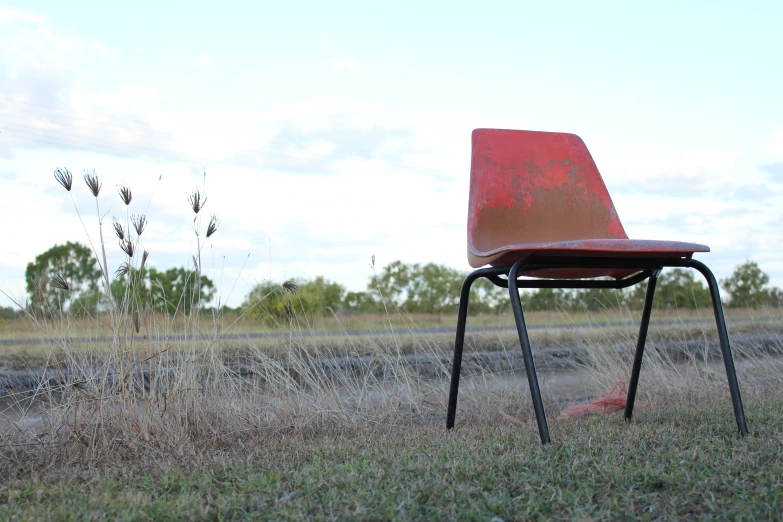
<point>539,208</point>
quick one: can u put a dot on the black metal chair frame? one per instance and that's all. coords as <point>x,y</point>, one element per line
<point>649,268</point>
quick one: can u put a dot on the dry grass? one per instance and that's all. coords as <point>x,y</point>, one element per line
<point>175,431</point>
<point>152,400</point>
<point>232,335</point>
<point>101,326</point>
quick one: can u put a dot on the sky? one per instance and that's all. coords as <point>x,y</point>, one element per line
<point>326,133</point>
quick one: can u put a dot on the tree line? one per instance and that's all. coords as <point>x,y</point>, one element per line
<point>425,288</point>
<point>434,289</point>
<point>174,290</point>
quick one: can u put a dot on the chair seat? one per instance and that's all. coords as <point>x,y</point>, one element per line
<point>603,248</point>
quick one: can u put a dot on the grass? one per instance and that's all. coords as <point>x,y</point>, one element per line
<point>405,330</point>
<point>312,450</point>
<point>23,329</point>
<point>684,461</point>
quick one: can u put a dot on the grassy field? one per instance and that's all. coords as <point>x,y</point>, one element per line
<point>132,416</point>
<point>406,331</point>
<point>191,439</point>
<point>159,324</point>
<point>681,461</point>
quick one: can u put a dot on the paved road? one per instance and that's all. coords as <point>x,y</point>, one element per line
<point>400,330</point>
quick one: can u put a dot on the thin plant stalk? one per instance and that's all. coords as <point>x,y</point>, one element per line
<point>105,270</point>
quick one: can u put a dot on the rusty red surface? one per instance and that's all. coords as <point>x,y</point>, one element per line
<point>541,192</point>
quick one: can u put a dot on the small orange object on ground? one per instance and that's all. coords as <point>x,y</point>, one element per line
<point>609,403</point>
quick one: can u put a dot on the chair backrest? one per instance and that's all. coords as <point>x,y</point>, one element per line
<point>534,187</point>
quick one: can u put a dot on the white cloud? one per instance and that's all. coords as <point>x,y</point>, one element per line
<point>313,150</point>
<point>681,173</point>
<point>204,61</point>
<point>100,48</point>
<point>774,146</point>
<point>49,100</point>
<point>9,14</point>
<point>313,135</point>
<point>49,97</point>
<point>757,190</point>
<point>345,64</point>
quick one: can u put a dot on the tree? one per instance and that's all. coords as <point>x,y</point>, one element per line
<point>269,303</point>
<point>132,291</point>
<point>776,297</point>
<point>359,302</point>
<point>747,286</point>
<point>545,299</point>
<point>432,289</point>
<point>485,297</point>
<point>176,290</point>
<point>679,288</point>
<point>76,265</point>
<point>595,299</point>
<point>676,288</point>
<point>392,284</point>
<point>320,296</point>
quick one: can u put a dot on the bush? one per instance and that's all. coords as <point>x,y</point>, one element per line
<point>321,296</point>
<point>7,313</point>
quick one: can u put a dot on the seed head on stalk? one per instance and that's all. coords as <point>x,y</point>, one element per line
<point>64,178</point>
<point>127,247</point>
<point>196,201</point>
<point>214,223</point>
<point>91,179</point>
<point>122,271</point>
<point>139,222</point>
<point>118,228</point>
<point>125,194</point>
<point>58,281</point>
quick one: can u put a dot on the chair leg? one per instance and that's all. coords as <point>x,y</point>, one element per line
<point>459,342</point>
<point>637,360</point>
<point>723,335</point>
<point>527,354</point>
